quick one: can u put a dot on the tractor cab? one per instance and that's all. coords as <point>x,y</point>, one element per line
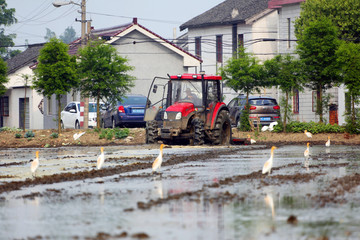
<point>186,107</point>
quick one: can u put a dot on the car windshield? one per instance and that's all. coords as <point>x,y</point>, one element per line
<point>187,91</point>
<point>262,102</point>
<point>92,107</point>
<point>133,100</point>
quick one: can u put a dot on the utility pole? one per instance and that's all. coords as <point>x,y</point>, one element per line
<point>83,21</point>
<point>83,43</point>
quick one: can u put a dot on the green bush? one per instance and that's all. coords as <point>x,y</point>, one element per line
<point>29,134</point>
<point>117,132</point>
<point>54,135</point>
<point>109,135</point>
<point>122,133</point>
<point>313,127</point>
<point>244,121</point>
<point>17,135</point>
<point>9,129</point>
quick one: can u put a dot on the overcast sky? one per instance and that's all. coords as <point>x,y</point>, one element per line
<point>160,16</point>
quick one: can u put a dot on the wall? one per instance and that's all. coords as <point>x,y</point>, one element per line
<point>149,58</point>
<point>15,91</point>
<point>265,27</point>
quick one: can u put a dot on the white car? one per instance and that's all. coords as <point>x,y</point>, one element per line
<point>70,116</point>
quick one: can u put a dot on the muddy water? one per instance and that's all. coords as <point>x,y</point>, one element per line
<point>201,193</point>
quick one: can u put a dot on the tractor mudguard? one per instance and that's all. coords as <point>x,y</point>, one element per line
<point>218,108</point>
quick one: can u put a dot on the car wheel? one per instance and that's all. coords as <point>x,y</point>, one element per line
<point>113,123</point>
<point>77,125</point>
<point>62,125</point>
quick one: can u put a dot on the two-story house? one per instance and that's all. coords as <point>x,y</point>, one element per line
<point>265,28</point>
<point>216,34</point>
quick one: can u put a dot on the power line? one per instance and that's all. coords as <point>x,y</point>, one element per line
<point>144,19</point>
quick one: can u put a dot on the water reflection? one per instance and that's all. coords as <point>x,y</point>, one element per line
<point>158,186</point>
<point>270,203</point>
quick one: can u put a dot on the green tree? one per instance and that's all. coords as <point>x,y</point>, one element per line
<point>243,73</point>
<point>317,45</point>
<point>49,34</point>
<point>349,60</point>
<point>56,72</point>
<point>7,17</point>
<point>3,77</point>
<point>104,74</point>
<point>344,14</point>
<point>69,35</point>
<point>285,72</point>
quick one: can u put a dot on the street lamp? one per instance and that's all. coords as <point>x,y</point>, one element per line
<point>83,27</point>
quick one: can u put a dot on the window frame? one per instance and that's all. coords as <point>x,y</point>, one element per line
<point>296,101</point>
<point>198,47</point>
<point>219,48</point>
<point>5,106</point>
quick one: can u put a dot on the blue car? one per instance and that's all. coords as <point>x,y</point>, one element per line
<point>129,112</point>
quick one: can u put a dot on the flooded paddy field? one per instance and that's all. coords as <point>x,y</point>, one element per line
<point>200,193</point>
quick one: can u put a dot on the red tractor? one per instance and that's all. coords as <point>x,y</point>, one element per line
<point>187,107</point>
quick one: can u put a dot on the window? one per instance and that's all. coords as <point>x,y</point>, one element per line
<point>234,40</point>
<point>289,33</point>
<point>198,47</point>
<point>219,49</point>
<point>4,106</point>
<point>241,40</point>
<point>296,101</point>
<point>49,107</point>
<point>314,99</point>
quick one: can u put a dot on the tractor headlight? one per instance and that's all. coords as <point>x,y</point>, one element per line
<point>165,115</point>
<point>178,116</point>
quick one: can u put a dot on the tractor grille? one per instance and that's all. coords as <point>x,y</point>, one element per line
<point>171,115</point>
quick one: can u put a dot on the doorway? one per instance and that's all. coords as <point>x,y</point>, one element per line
<point>24,113</point>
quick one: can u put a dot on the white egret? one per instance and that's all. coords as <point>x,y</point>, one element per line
<point>35,164</point>
<point>158,161</point>
<point>308,134</point>
<point>101,158</point>
<point>268,164</point>
<point>327,144</point>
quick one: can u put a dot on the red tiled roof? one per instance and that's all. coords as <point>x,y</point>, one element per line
<point>280,3</point>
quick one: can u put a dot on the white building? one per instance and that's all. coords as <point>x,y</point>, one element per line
<point>216,34</point>
<point>149,54</point>
<point>14,103</point>
<point>265,28</point>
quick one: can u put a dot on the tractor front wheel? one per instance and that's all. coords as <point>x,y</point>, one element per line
<point>222,129</point>
<point>151,131</point>
<point>197,130</point>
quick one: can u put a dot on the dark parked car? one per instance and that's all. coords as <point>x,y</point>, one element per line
<point>129,112</point>
<point>264,108</point>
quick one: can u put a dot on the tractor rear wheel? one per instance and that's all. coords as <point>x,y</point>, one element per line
<point>222,129</point>
<point>151,131</point>
<point>197,130</point>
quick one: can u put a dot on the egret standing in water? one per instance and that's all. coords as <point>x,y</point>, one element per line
<point>34,164</point>
<point>268,164</point>
<point>327,144</point>
<point>101,158</point>
<point>307,155</point>
<point>308,134</point>
<point>157,163</point>
<point>307,151</point>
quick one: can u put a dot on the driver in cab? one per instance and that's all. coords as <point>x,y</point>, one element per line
<point>190,96</point>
